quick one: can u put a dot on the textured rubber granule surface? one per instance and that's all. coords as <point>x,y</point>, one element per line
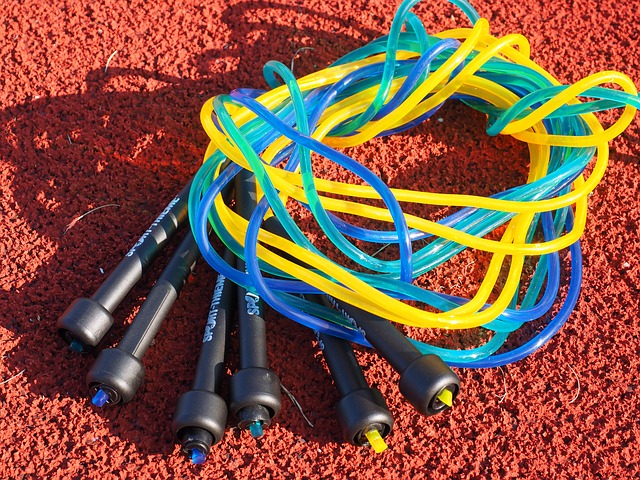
<point>75,135</point>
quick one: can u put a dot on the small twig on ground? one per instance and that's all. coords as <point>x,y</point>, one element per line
<point>296,403</point>
<point>77,219</point>
<point>469,268</point>
<point>504,383</point>
<point>578,380</point>
<point>109,60</point>
<point>15,376</point>
<point>380,250</point>
<point>295,55</point>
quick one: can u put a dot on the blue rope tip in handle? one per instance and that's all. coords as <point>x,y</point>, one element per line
<point>197,456</point>
<point>256,430</point>
<point>100,398</point>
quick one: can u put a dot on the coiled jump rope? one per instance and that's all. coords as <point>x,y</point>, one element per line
<point>388,86</point>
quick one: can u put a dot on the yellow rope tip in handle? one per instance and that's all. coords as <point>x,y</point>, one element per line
<point>376,441</point>
<point>446,397</point>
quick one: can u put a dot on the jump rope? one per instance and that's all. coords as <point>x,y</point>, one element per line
<point>261,146</point>
<point>386,87</point>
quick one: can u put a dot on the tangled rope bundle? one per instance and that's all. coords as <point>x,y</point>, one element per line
<point>385,87</point>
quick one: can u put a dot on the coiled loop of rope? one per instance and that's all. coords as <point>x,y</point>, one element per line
<point>385,87</point>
